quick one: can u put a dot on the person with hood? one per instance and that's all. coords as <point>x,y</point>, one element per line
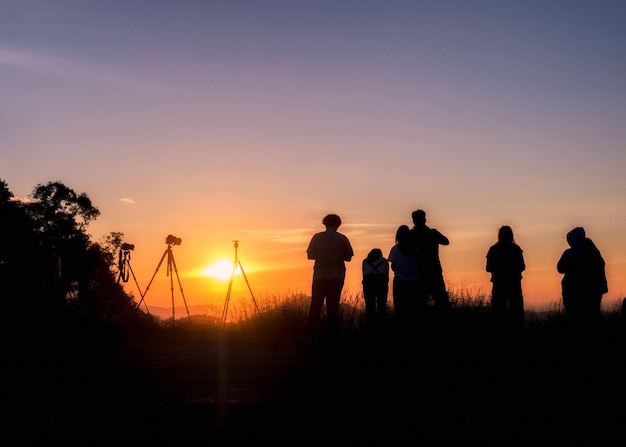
<point>584,279</point>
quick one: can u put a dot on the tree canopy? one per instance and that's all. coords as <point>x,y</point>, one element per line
<point>50,269</point>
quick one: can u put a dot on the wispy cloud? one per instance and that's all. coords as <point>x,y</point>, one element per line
<point>288,236</point>
<point>125,200</point>
<point>302,235</point>
<point>50,64</point>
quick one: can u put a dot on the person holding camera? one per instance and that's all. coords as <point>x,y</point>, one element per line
<point>428,240</point>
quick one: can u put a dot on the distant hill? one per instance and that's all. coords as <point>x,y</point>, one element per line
<point>214,310</point>
<point>180,312</point>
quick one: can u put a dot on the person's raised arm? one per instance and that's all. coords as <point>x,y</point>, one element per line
<point>440,238</point>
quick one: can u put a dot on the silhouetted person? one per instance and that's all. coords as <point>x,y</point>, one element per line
<point>428,240</point>
<point>404,258</point>
<point>505,262</point>
<point>330,250</point>
<point>375,270</point>
<point>584,280</point>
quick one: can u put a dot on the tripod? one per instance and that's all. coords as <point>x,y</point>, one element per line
<point>236,263</point>
<point>170,263</point>
<point>123,262</point>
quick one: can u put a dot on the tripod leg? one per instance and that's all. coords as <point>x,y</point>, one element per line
<point>230,286</point>
<point>138,288</point>
<point>248,284</point>
<point>180,286</point>
<point>169,272</point>
<point>152,279</point>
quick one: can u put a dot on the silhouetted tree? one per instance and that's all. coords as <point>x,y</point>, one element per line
<point>49,265</point>
<point>20,253</point>
<point>111,244</point>
<point>99,295</point>
<point>61,216</point>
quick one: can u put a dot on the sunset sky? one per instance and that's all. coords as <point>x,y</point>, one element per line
<point>217,121</point>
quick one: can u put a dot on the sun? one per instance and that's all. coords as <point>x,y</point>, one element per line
<point>221,269</point>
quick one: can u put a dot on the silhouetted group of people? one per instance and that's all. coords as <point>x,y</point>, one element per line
<point>418,277</point>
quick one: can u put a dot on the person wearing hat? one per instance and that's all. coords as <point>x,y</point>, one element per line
<point>330,250</point>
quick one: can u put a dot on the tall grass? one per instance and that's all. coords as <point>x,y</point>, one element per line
<point>285,315</point>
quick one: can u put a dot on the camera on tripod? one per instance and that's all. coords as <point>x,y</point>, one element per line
<point>173,240</point>
<point>126,246</point>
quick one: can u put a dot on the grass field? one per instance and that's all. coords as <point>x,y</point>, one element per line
<point>265,379</point>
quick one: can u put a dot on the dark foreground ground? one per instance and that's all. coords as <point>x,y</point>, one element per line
<point>450,385</point>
